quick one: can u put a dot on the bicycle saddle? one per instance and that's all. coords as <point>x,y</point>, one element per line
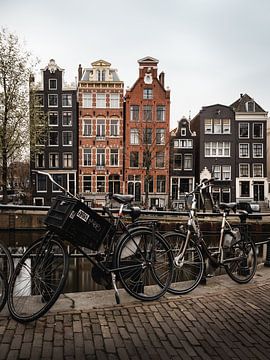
<point>123,199</point>
<point>228,206</point>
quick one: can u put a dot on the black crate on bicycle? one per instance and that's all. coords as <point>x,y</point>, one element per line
<point>75,221</point>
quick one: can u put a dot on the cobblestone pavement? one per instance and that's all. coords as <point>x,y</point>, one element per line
<point>230,324</point>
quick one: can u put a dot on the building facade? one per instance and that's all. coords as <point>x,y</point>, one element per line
<point>182,163</point>
<point>251,150</point>
<point>147,122</point>
<point>216,149</point>
<point>57,152</point>
<point>100,164</point>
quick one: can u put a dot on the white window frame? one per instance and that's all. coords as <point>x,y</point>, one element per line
<point>53,157</point>
<point>134,136</point>
<point>217,149</point>
<point>87,101</point>
<point>217,126</point>
<point>51,113</point>
<point>89,177</point>
<point>50,87</point>
<point>114,127</point>
<point>67,97</point>
<point>87,157</point>
<point>70,141</point>
<point>257,137</point>
<point>67,159</point>
<point>100,100</point>
<point>69,117</point>
<point>226,126</point>
<point>226,169</point>
<point>87,127</point>
<point>100,158</point>
<point>114,100</point>
<point>253,150</point>
<point>248,151</point>
<point>100,129</point>
<point>208,126</point>
<point>160,136</point>
<point>114,157</point>
<point>190,160</point>
<point>253,172</point>
<point>49,102</point>
<point>248,170</point>
<point>239,130</point>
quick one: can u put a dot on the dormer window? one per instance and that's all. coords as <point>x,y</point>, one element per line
<point>183,131</point>
<point>250,106</point>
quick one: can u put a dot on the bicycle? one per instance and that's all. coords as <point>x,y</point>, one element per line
<point>235,252</point>
<point>6,270</point>
<point>140,258</point>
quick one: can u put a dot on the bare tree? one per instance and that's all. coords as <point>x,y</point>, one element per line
<point>15,70</point>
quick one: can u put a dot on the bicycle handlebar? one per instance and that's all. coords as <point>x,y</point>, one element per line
<point>54,182</point>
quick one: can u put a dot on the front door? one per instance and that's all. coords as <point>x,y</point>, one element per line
<point>259,191</point>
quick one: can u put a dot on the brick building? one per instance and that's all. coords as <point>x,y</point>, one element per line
<point>58,154</point>
<point>100,164</point>
<point>147,122</point>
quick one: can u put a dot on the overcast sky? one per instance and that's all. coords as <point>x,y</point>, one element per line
<point>210,50</point>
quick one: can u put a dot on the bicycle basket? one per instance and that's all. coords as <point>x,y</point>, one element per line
<point>73,220</point>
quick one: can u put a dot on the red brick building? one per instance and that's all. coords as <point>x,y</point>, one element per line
<point>147,122</point>
<point>100,98</point>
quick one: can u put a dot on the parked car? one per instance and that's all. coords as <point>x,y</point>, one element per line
<point>250,207</point>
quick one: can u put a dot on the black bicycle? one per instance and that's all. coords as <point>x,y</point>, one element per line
<point>6,270</point>
<point>139,257</point>
<point>235,252</point>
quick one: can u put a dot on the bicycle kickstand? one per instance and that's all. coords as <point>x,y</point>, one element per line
<point>116,292</point>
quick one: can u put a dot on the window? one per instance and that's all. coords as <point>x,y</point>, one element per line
<point>183,131</point>
<point>53,138</point>
<point>53,118</point>
<point>134,112</point>
<point>114,184</point>
<point>114,127</point>
<point>66,100</point>
<point>257,170</point>
<point>217,149</point>
<point>160,159</point>
<point>188,162</point>
<point>134,137</point>
<point>161,183</point>
<point>147,113</point>
<point>250,106</point>
<point>147,93</point>
<point>257,131</point>
<point>147,160</point>
<point>52,84</point>
<point>101,75</point>
<point>87,127</point>
<point>244,189</point>
<point>134,186</point>
<point>101,129</point>
<point>217,126</point>
<point>177,161</point>
<point>208,126</point>
<point>86,100</point>
<point>134,159</point>
<point>257,150</point>
<point>160,113</point>
<point>67,118</point>
<point>185,144</point>
<point>226,172</point>
<point>59,178</point>
<point>67,160</point>
<point>115,101</point>
<point>87,157</point>
<point>147,136</point>
<point>53,100</point>
<point>216,170</point>
<point>101,184</point>
<point>243,170</point>
<point>149,184</point>
<point>101,100</point>
<point>243,130</point>
<point>114,158</point>
<point>100,158</point>
<point>39,100</point>
<point>243,150</point>
<point>41,183</point>
<point>40,162</point>
<point>53,160</point>
<point>160,136</point>
<point>67,138</point>
<point>87,183</point>
<point>226,126</point>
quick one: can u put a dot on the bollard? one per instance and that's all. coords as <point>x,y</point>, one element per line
<point>267,260</point>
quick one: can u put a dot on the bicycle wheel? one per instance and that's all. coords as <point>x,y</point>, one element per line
<point>241,261</point>
<point>6,262</point>
<point>144,264</point>
<point>186,275</point>
<point>3,290</point>
<point>38,279</point>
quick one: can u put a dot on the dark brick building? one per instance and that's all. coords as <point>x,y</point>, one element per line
<point>58,154</point>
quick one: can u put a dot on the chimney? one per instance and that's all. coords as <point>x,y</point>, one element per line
<point>80,72</point>
<point>241,95</point>
<point>161,78</point>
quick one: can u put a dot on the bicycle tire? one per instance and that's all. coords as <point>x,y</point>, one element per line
<point>38,279</point>
<point>243,269</point>
<point>149,262</point>
<point>6,262</point>
<point>3,290</point>
<point>188,274</point>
